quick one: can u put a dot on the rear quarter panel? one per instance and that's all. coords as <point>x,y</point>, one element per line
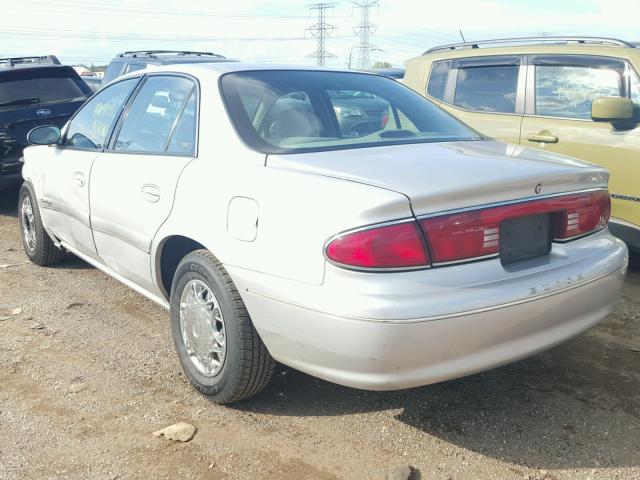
<point>297,211</point>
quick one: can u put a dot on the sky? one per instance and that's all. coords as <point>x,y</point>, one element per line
<point>94,31</point>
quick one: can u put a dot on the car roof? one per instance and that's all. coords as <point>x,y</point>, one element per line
<point>221,68</point>
<point>160,57</point>
<point>535,46</point>
<point>33,66</point>
<point>388,72</point>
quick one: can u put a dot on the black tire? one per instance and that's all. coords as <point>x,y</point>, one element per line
<point>44,251</point>
<point>247,367</point>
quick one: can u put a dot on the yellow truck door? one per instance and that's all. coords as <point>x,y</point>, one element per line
<point>560,90</point>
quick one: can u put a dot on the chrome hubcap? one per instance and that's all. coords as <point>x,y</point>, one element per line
<point>202,328</point>
<point>28,224</point>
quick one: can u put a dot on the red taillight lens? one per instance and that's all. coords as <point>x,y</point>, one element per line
<point>466,235</point>
<point>390,246</point>
<point>462,236</point>
<point>584,213</point>
<point>475,234</point>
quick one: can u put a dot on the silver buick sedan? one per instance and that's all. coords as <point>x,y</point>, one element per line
<point>333,221</point>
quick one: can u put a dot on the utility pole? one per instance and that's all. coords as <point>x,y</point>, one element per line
<point>364,31</point>
<point>321,30</point>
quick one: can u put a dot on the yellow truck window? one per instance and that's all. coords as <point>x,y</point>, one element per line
<point>486,84</point>
<point>438,79</point>
<point>566,86</point>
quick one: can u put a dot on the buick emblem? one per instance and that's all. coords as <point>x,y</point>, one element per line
<point>538,188</point>
<point>43,112</point>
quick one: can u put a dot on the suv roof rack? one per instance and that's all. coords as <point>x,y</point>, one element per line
<point>534,40</point>
<point>154,53</point>
<point>36,60</point>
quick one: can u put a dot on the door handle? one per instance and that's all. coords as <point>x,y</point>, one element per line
<point>151,193</point>
<point>78,179</point>
<point>543,137</point>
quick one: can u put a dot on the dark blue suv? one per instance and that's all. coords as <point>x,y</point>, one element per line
<point>34,91</point>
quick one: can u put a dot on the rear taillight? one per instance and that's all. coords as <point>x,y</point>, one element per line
<point>465,235</point>
<point>398,245</point>
<point>584,214</point>
<point>475,234</point>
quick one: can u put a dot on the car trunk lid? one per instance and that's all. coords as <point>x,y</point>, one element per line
<point>438,177</point>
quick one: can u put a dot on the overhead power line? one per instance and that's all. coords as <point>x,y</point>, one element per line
<point>146,11</point>
<point>321,30</point>
<point>128,37</point>
<point>364,31</point>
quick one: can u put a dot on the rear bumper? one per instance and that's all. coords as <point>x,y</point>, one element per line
<point>378,340</point>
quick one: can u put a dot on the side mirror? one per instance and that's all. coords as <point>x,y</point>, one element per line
<point>612,109</point>
<point>44,135</point>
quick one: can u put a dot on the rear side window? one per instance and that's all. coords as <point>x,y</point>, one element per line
<point>300,111</point>
<point>487,86</point>
<point>90,127</point>
<point>114,70</point>
<point>154,115</point>
<point>183,139</point>
<point>134,67</point>
<point>438,79</point>
<point>634,92</point>
<point>40,86</point>
<point>565,86</point>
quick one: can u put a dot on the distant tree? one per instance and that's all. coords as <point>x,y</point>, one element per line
<point>382,65</point>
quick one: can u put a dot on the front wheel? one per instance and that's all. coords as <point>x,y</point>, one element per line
<point>217,344</point>
<point>36,241</point>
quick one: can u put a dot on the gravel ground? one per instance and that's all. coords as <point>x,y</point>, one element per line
<point>88,372</point>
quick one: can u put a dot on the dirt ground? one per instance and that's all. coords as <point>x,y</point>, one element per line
<point>88,372</point>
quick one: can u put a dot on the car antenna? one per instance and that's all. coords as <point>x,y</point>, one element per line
<point>461,34</point>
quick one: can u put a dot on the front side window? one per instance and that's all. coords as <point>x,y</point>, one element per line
<point>487,86</point>
<point>154,114</point>
<point>297,111</point>
<point>565,87</point>
<point>90,127</point>
<point>438,79</point>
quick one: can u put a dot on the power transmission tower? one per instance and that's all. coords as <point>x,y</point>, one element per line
<point>364,31</point>
<point>321,31</point>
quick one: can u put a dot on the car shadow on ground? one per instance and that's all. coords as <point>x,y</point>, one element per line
<point>571,407</point>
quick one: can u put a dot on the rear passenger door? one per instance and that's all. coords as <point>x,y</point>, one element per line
<point>487,93</point>
<point>133,182</point>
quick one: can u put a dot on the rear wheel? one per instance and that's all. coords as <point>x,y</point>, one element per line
<point>36,241</point>
<point>217,344</point>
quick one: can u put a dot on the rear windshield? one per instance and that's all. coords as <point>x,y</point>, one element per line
<point>39,86</point>
<point>301,111</point>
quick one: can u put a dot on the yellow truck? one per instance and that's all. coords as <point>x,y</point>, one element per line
<point>579,96</point>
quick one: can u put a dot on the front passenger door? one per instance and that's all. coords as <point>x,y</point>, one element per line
<point>560,91</point>
<point>133,183</point>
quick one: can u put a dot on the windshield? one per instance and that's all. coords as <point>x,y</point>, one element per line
<point>35,87</point>
<point>300,111</point>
